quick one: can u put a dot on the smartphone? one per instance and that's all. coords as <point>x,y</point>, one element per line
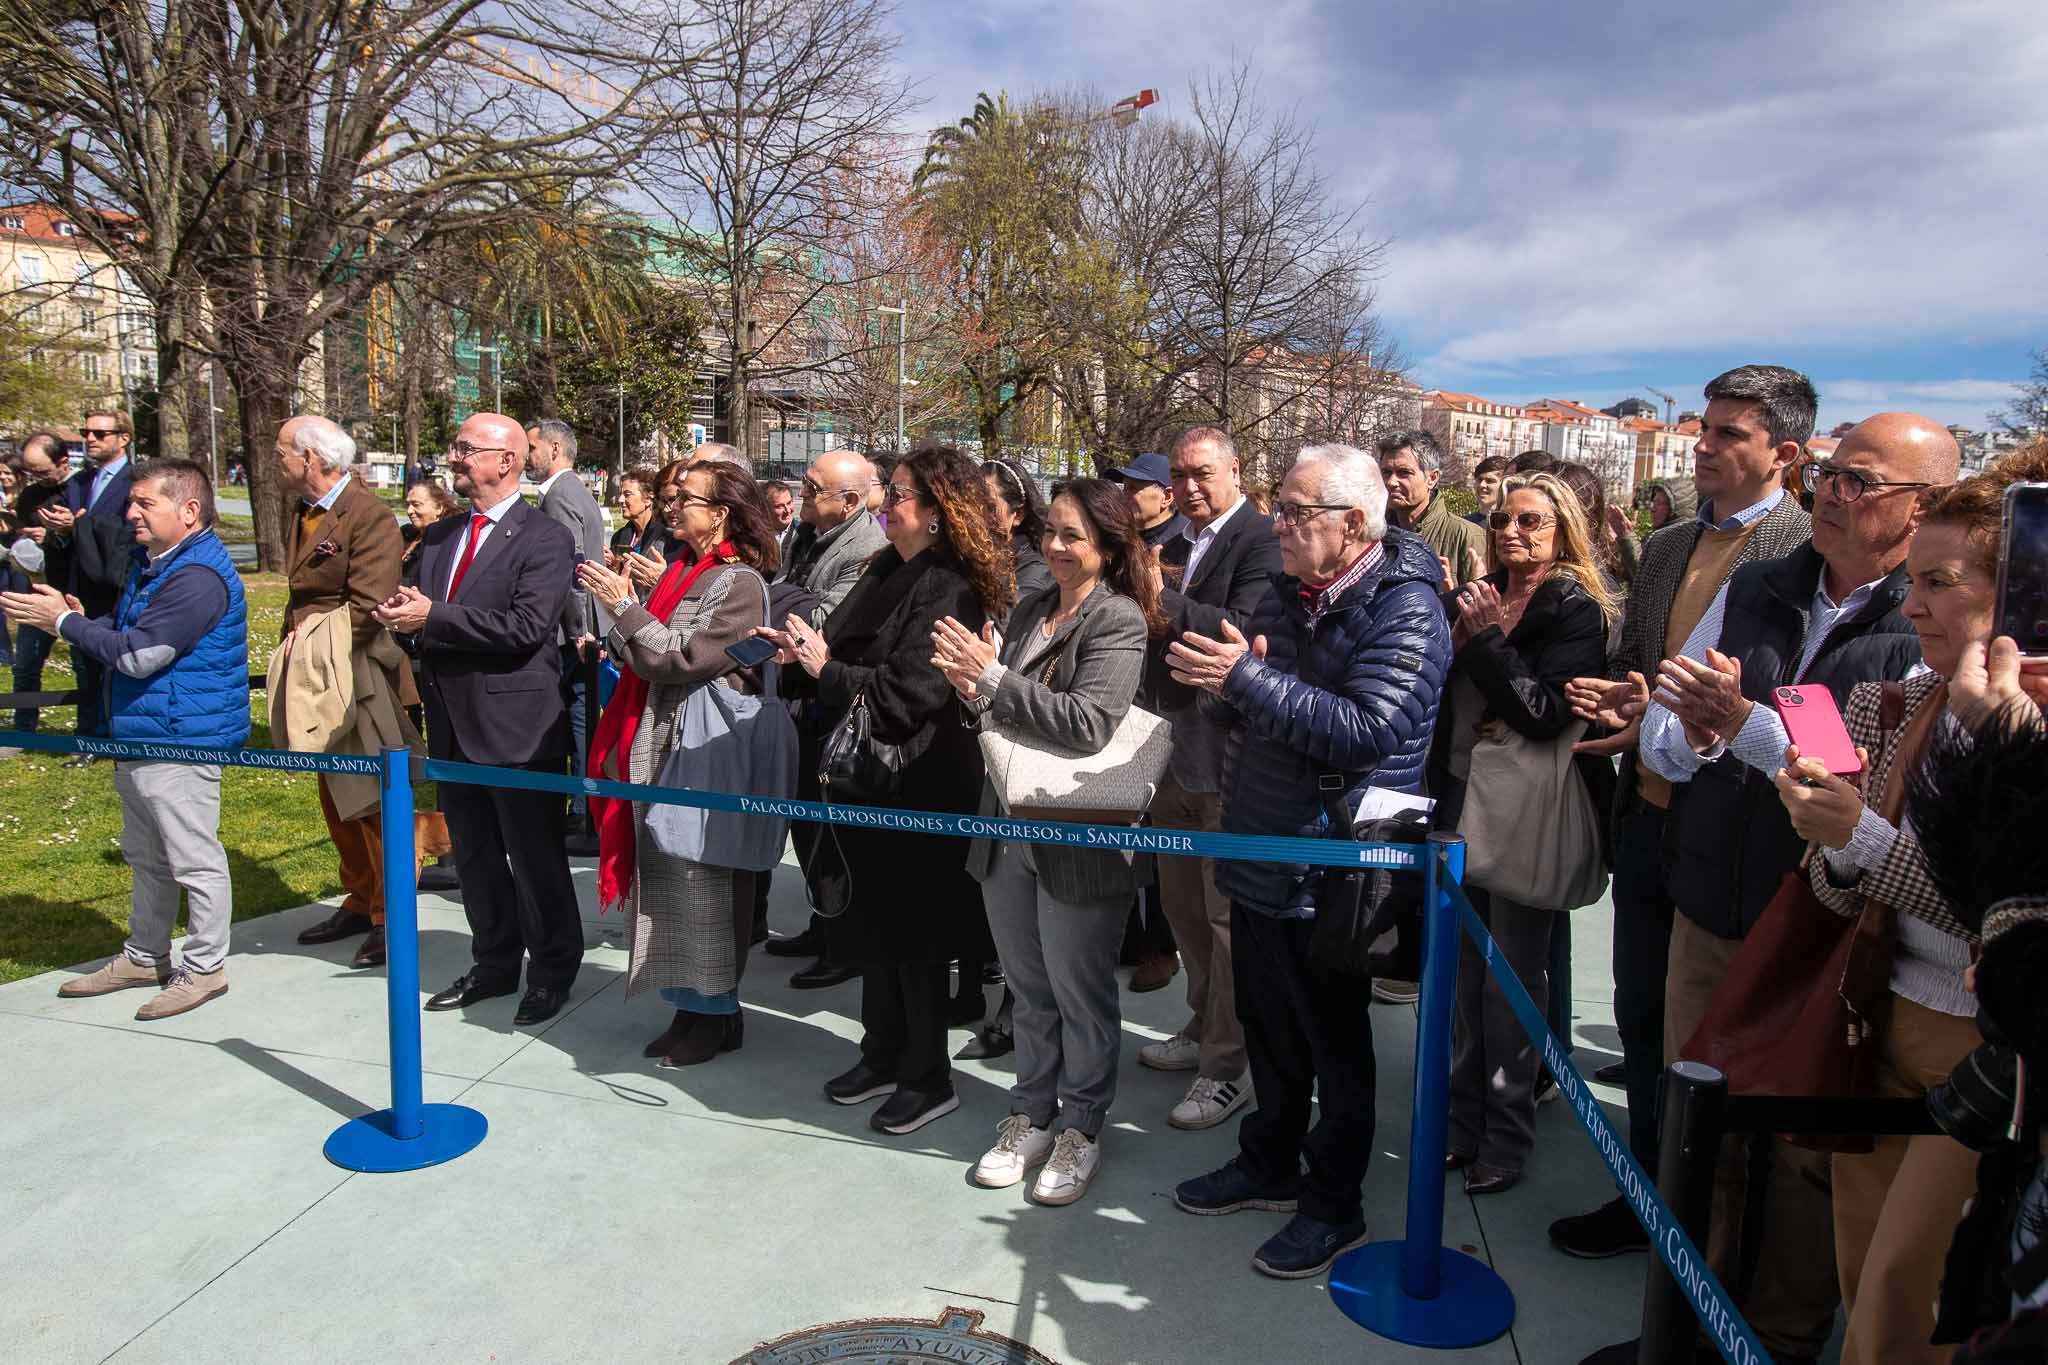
<point>751,651</point>
<point>1814,723</point>
<point>2023,568</point>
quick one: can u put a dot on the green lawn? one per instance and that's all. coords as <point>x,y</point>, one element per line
<point>63,885</point>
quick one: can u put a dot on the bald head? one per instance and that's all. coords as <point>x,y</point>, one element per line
<point>313,454</point>
<point>836,488</point>
<point>1909,448</point>
<point>487,458</point>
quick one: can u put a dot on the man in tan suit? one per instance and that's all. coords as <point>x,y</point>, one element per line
<point>341,548</point>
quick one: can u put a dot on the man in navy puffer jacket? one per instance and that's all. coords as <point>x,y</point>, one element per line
<point>1343,673</point>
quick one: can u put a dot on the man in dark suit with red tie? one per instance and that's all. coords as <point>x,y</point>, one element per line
<point>491,588</point>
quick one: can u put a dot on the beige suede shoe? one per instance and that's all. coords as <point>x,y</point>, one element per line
<point>186,990</point>
<point>119,974</point>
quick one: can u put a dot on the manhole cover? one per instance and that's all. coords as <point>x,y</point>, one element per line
<point>955,1339</point>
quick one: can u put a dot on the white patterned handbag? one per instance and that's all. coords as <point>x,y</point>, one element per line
<point>1114,786</point>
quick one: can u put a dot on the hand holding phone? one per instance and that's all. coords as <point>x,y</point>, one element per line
<point>2023,569</point>
<point>752,651</point>
<point>1814,723</point>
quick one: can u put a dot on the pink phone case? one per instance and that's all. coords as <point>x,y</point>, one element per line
<point>1815,725</point>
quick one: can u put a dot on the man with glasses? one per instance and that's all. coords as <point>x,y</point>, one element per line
<point>1334,683</point>
<point>484,619</point>
<point>91,528</point>
<point>844,536</point>
<point>1828,613</point>
<point>1211,576</point>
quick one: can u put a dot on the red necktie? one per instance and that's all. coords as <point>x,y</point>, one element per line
<point>477,522</point>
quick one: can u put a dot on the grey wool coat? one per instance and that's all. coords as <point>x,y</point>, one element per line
<point>679,921</point>
<point>1101,661</point>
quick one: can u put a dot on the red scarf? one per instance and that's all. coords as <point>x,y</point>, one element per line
<point>615,730</point>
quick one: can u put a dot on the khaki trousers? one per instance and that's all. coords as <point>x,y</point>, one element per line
<point>1896,1208</point>
<point>1792,1297</point>
<point>360,844</point>
<point>1200,917</point>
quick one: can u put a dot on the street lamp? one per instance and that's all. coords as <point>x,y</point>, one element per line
<point>212,430</point>
<point>497,377</point>
<point>902,312</point>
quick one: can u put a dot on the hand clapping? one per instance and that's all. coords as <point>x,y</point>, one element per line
<point>962,655</point>
<point>405,611</point>
<point>1197,661</point>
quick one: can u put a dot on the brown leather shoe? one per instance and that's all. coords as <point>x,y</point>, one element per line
<point>370,953</point>
<point>119,974</point>
<point>713,1035</point>
<point>1154,971</point>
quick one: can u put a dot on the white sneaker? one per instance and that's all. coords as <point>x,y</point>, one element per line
<point>1065,1178</point>
<point>1019,1147</point>
<point>1210,1102</point>
<point>1387,991</point>
<point>1178,1053</point>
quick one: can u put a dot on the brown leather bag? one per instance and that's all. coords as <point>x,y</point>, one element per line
<point>1797,1012</point>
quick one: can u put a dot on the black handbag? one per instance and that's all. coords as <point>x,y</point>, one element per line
<point>856,768</point>
<point>1368,919</point>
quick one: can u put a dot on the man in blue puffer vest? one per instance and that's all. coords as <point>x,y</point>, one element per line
<point>1342,677</point>
<point>176,651</point>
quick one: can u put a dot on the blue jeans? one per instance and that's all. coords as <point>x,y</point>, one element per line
<point>31,651</point>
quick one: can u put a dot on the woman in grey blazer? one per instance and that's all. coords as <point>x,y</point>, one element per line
<point>1064,677</point>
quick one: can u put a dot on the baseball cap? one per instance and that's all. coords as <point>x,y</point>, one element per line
<point>1150,468</point>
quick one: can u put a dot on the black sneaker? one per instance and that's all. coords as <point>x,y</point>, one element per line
<point>1306,1246</point>
<point>1228,1189</point>
<point>1610,1230</point>
<point>908,1110</point>
<point>863,1082</point>
<point>809,943</point>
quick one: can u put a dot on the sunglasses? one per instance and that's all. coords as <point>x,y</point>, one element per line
<point>95,433</point>
<point>1528,523</point>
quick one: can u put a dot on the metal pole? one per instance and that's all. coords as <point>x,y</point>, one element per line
<point>902,338</point>
<point>619,461</point>
<point>1422,1251</point>
<point>1688,1145</point>
<point>212,427</point>
<point>401,945</point>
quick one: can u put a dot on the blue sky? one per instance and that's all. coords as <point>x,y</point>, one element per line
<point>1585,199</point>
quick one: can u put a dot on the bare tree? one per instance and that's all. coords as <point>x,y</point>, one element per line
<point>790,95</point>
<point>277,164</point>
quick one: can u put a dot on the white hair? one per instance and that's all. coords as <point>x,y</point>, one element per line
<point>1351,478</point>
<point>321,440</point>
<point>721,453</point>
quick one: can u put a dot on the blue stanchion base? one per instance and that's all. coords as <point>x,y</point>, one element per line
<point>366,1144</point>
<point>1473,1306</point>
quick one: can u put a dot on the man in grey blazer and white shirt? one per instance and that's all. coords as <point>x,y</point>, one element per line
<point>551,463</point>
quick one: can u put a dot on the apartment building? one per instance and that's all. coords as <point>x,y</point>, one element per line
<point>61,286</point>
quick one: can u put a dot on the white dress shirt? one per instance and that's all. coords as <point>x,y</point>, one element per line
<point>495,514</point>
<point>1201,540</point>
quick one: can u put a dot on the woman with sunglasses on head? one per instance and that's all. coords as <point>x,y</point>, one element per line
<point>1518,635</point>
<point>689,923</point>
<point>947,556</point>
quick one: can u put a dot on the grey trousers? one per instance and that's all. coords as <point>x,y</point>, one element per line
<point>1493,1063</point>
<point>1060,961</point>
<point>1200,916</point>
<point>170,835</point>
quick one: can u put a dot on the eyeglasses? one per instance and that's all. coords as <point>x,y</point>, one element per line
<point>1846,485</point>
<point>1528,523</point>
<point>1297,513</point>
<point>813,489</point>
<point>463,450</point>
<point>895,493</point>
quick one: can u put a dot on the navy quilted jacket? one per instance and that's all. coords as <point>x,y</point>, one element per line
<point>1358,695</point>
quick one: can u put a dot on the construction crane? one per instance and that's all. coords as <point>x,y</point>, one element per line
<point>1669,402</point>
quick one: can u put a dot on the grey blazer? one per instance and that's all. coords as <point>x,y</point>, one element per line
<point>568,503</point>
<point>1101,661</point>
<point>840,564</point>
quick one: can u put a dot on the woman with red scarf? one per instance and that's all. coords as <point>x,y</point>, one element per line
<point>689,923</point>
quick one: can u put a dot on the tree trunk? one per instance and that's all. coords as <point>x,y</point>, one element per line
<point>265,401</point>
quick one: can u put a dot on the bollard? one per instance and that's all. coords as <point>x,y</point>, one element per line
<point>1688,1145</point>
<point>1416,1290</point>
<point>411,1134</point>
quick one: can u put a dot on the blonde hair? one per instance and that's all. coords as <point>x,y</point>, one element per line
<point>1577,558</point>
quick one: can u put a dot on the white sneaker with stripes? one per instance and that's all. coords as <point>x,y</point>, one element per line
<point>1209,1102</point>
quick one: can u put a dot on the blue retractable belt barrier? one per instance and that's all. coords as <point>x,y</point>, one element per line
<point>277,760</point>
<point>1712,1304</point>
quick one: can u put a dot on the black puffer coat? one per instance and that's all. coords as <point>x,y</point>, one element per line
<point>1358,695</point>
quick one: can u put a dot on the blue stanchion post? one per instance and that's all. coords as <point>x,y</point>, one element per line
<point>411,1134</point>
<point>1416,1290</point>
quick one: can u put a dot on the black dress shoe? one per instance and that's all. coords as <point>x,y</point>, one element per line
<point>336,927</point>
<point>439,877</point>
<point>807,944</point>
<point>671,1035</point>
<point>862,1082</point>
<point>718,1033</point>
<point>988,1041</point>
<point>821,974</point>
<point>466,990</point>
<point>1455,1160</point>
<point>1614,1073</point>
<point>540,1004</point>
<point>1610,1230</point>
<point>370,952</point>
<point>1483,1179</point>
<point>908,1110</point>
